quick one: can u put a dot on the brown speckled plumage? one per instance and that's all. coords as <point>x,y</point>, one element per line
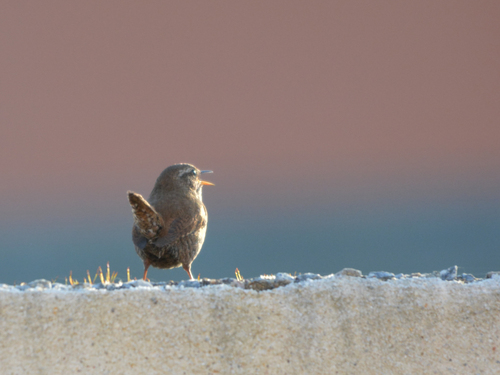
<point>169,230</point>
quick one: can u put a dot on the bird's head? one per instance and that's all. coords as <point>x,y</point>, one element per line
<point>182,178</point>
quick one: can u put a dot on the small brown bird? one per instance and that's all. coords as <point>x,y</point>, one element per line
<point>169,231</point>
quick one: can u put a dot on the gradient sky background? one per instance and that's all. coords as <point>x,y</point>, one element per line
<point>342,133</point>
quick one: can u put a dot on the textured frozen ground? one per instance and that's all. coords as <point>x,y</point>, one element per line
<point>305,325</point>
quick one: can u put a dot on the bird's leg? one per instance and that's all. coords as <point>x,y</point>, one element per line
<point>146,266</point>
<point>187,268</point>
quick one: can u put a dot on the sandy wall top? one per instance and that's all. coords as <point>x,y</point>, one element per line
<point>338,324</point>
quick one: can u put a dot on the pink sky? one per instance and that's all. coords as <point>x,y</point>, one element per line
<point>289,102</point>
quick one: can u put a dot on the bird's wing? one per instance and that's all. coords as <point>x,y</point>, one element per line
<point>181,227</point>
<point>146,219</point>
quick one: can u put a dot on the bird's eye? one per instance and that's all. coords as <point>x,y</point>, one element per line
<point>193,172</point>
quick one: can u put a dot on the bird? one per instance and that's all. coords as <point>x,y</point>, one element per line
<point>169,228</point>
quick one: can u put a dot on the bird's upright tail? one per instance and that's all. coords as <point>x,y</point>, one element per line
<point>146,219</point>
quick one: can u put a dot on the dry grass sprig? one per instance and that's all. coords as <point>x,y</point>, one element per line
<point>238,275</point>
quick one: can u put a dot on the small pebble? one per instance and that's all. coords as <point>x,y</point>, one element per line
<point>307,277</point>
<point>381,275</point>
<point>40,284</point>
<point>162,283</point>
<point>206,282</point>
<point>449,274</point>
<point>114,286</point>
<point>82,286</point>
<point>493,274</point>
<point>260,283</point>
<point>349,272</point>
<point>466,278</point>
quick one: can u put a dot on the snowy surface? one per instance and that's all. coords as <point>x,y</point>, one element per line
<point>340,323</point>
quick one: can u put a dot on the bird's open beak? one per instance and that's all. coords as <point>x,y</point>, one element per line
<point>206,182</point>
